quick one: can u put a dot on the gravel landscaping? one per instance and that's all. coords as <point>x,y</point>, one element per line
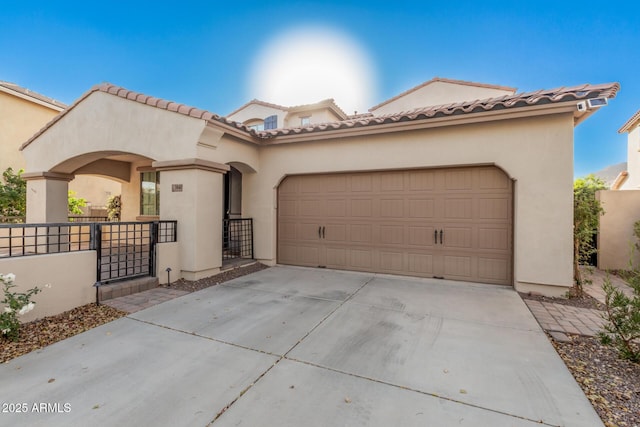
<point>611,384</point>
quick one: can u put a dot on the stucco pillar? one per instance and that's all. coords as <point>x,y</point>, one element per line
<point>191,192</point>
<point>47,196</point>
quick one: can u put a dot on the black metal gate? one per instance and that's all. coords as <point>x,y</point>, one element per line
<point>125,250</point>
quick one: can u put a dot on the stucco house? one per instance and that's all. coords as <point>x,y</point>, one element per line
<point>23,113</point>
<point>622,207</point>
<point>450,179</point>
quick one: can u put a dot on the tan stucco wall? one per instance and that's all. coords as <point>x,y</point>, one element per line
<point>132,128</point>
<point>615,236</point>
<point>438,93</point>
<point>95,190</point>
<point>323,115</point>
<point>168,256</point>
<point>257,111</point>
<point>20,120</point>
<point>536,152</point>
<point>71,276</point>
<point>633,160</point>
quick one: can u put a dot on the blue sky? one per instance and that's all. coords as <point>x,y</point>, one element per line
<point>201,52</point>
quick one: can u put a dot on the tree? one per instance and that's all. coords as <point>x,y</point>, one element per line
<point>75,203</point>
<point>13,194</point>
<point>586,218</point>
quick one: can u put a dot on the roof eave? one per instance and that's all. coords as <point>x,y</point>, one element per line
<point>427,123</point>
<point>33,99</point>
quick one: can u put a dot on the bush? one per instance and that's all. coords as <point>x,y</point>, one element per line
<point>15,304</point>
<point>114,207</point>
<point>622,319</point>
<point>586,217</point>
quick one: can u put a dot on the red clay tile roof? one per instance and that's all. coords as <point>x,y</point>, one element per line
<point>520,100</point>
<point>440,79</point>
<point>24,91</point>
<point>630,123</point>
<point>257,101</point>
<point>325,103</point>
<point>540,97</point>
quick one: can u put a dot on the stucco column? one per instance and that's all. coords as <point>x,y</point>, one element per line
<point>191,192</point>
<point>47,196</point>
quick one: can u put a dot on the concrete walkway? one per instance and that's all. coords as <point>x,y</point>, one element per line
<point>295,346</point>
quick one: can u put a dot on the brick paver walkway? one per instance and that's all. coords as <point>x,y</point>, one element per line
<point>561,319</point>
<point>141,300</point>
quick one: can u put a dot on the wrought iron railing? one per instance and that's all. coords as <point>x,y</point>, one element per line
<point>167,231</point>
<point>237,238</point>
<point>37,239</point>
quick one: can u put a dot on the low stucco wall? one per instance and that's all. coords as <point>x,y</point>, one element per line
<point>71,276</point>
<point>168,256</point>
<point>615,237</point>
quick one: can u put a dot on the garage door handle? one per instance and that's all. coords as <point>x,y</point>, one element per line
<point>441,236</point>
<point>319,232</point>
<point>435,237</point>
<point>323,231</point>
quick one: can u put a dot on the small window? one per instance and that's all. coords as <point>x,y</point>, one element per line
<point>271,122</point>
<point>305,121</point>
<point>257,127</point>
<point>150,193</point>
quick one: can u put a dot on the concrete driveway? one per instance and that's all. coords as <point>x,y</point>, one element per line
<point>292,346</point>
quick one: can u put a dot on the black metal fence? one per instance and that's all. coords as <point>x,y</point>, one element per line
<point>124,249</point>
<point>36,239</point>
<point>237,238</point>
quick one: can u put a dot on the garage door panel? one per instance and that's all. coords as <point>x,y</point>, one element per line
<point>310,208</point>
<point>392,208</point>
<point>421,264</point>
<point>308,231</point>
<point>493,270</point>
<point>361,183</point>
<point>288,231</point>
<point>392,234</point>
<point>337,257</point>
<point>422,236</point>
<point>492,178</point>
<point>461,208</point>
<point>392,261</point>
<point>361,259</point>
<point>288,208</point>
<point>494,238</point>
<point>337,208</point>
<point>392,181</point>
<point>457,237</point>
<point>458,179</point>
<point>336,233</point>
<point>422,208</point>
<point>299,255</point>
<point>362,208</point>
<point>361,233</point>
<point>336,183</point>
<point>493,208</point>
<point>421,181</point>
<point>458,266</point>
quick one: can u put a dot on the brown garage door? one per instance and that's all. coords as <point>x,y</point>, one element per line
<point>451,223</point>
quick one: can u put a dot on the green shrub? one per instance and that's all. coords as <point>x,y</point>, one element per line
<point>622,320</point>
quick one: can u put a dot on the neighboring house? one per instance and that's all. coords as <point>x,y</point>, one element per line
<point>616,241</point>
<point>24,112</point>
<point>259,115</point>
<point>451,179</point>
